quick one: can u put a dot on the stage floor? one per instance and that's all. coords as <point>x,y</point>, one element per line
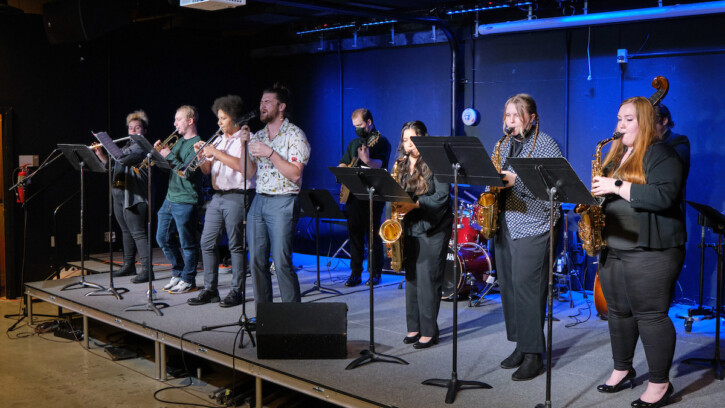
<point>581,352</point>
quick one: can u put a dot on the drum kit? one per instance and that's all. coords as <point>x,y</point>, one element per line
<point>477,277</point>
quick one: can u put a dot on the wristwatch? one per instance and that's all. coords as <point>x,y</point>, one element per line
<point>618,183</point>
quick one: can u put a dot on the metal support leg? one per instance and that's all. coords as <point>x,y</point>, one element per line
<point>85,333</point>
<point>162,361</point>
<point>258,391</point>
<point>29,306</point>
<point>157,359</point>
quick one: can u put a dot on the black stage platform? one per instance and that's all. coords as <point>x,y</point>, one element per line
<point>581,355</point>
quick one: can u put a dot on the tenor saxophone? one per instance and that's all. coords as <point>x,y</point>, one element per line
<point>591,223</point>
<point>391,231</point>
<point>487,205</point>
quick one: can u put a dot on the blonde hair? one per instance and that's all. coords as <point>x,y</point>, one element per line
<point>190,111</point>
<point>633,170</point>
<point>140,116</point>
<point>524,103</point>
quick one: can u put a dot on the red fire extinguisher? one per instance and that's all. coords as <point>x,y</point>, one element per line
<point>20,196</point>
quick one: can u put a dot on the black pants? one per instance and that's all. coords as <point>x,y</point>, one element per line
<point>637,286</point>
<point>425,259</point>
<point>522,268</point>
<point>133,230</point>
<point>358,222</point>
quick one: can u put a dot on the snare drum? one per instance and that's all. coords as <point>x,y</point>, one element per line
<point>471,259</point>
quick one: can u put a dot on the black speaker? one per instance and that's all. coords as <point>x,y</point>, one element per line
<point>302,330</point>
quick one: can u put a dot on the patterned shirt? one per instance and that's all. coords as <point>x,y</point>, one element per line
<point>224,177</point>
<point>525,215</point>
<point>290,144</point>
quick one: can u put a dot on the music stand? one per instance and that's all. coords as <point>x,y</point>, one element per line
<point>457,160</point>
<point>114,153</point>
<point>553,180</point>
<point>319,203</point>
<point>717,221</point>
<point>80,156</point>
<point>371,184</point>
<point>153,157</point>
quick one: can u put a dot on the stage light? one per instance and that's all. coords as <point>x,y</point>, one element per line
<point>485,8</point>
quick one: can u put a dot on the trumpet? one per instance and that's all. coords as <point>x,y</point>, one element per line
<point>98,145</point>
<point>198,159</point>
<point>169,142</point>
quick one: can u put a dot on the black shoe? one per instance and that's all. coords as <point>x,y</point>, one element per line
<point>126,270</point>
<point>232,299</point>
<point>661,403</point>
<point>514,360</point>
<point>530,368</point>
<point>204,297</point>
<point>411,339</point>
<point>353,280</point>
<point>376,281</point>
<point>142,277</point>
<point>629,378</point>
<point>421,345</point>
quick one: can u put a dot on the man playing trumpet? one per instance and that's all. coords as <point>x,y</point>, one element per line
<point>181,207</point>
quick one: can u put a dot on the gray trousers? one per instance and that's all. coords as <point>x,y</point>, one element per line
<point>522,268</point>
<point>224,213</point>
<point>270,230</point>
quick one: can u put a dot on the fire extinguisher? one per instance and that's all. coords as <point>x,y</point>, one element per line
<point>20,196</point>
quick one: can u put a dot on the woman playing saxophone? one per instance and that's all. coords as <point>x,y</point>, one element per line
<point>427,228</point>
<point>645,238</point>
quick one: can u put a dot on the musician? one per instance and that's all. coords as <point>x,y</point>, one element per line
<point>130,201</point>
<point>369,149</point>
<point>224,161</point>
<point>279,153</point>
<point>681,144</point>
<point>427,228</point>
<point>645,238</point>
<point>522,244</point>
<point>179,212</point>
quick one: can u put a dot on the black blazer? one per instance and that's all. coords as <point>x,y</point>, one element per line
<point>434,214</point>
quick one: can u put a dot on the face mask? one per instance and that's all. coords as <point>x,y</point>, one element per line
<point>361,132</point>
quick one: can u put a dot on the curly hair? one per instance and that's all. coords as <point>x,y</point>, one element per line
<point>140,116</point>
<point>230,104</point>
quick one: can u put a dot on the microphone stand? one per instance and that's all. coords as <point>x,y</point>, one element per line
<point>245,323</point>
<point>111,290</point>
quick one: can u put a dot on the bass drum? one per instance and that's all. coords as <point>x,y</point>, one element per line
<point>471,259</point>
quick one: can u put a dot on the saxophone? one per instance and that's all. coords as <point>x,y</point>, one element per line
<point>391,231</point>
<point>487,205</point>
<point>592,218</point>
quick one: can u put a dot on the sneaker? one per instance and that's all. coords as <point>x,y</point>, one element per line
<point>173,282</point>
<point>234,298</point>
<point>376,281</point>
<point>205,296</point>
<point>225,269</point>
<point>183,287</point>
<point>353,280</point>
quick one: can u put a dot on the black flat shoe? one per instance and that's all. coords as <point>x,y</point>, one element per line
<point>661,403</point>
<point>411,339</point>
<point>142,277</point>
<point>353,280</point>
<point>629,378</point>
<point>514,360</point>
<point>421,345</point>
<point>126,270</point>
<point>530,368</point>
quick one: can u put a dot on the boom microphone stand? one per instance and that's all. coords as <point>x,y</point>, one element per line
<point>80,156</point>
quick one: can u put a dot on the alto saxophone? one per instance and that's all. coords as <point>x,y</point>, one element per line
<point>592,217</point>
<point>391,231</point>
<point>487,205</point>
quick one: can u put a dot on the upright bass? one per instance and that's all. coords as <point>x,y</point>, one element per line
<point>592,217</point>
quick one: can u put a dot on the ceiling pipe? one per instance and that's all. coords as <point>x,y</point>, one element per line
<point>610,17</point>
<point>368,13</point>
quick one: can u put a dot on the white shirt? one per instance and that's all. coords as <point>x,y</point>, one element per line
<point>224,177</point>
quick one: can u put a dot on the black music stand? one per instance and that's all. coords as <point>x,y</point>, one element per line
<point>153,157</point>
<point>80,156</point>
<point>319,203</point>
<point>457,160</point>
<point>553,180</point>
<point>371,184</point>
<point>113,154</point>
<point>717,220</point>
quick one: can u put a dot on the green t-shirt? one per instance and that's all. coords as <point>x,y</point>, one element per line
<point>184,190</point>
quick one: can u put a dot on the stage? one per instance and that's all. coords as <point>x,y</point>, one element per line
<point>581,352</point>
